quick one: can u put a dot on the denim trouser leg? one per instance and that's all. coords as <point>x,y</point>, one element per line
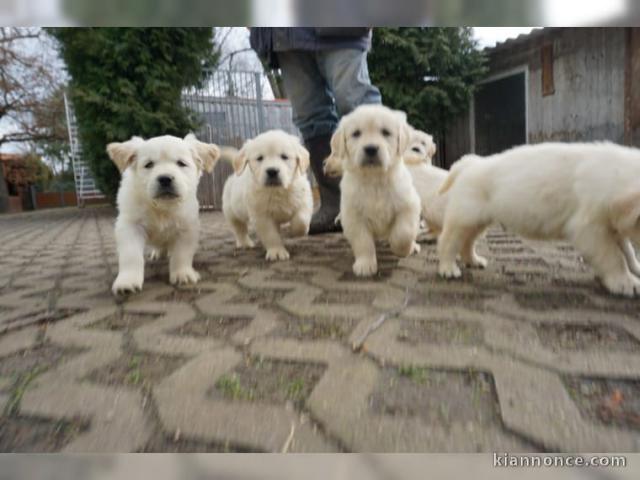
<point>314,111</point>
<point>318,82</point>
<point>347,73</point>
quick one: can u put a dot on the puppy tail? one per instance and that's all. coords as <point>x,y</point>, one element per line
<point>457,167</point>
<point>227,154</point>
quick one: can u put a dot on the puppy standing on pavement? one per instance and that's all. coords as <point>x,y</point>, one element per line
<point>378,200</point>
<point>157,205</point>
<point>270,188</point>
<point>427,179</point>
<point>588,194</point>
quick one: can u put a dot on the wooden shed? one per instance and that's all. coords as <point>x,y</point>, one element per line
<point>554,84</point>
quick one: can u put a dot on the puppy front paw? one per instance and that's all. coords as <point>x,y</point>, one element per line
<point>245,243</point>
<point>477,262</point>
<point>365,267</point>
<point>625,285</point>
<point>184,276</point>
<point>154,254</point>
<point>449,270</point>
<point>277,253</point>
<point>298,229</point>
<point>127,282</point>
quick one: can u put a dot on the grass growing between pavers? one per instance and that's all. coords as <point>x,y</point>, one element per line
<point>581,337</point>
<point>137,370</point>
<point>448,332</point>
<point>437,397</point>
<point>19,433</point>
<point>211,326</point>
<point>606,401</point>
<point>269,381</point>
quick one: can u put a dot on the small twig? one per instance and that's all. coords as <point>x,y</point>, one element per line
<point>359,343</point>
<point>287,443</point>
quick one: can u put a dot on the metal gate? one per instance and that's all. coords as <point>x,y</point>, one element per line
<point>231,107</point>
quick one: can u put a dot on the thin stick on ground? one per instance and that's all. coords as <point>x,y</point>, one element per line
<point>359,343</point>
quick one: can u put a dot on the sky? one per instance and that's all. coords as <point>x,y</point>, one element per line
<point>489,36</point>
<point>238,39</point>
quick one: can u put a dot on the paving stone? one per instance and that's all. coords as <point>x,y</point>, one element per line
<point>526,355</point>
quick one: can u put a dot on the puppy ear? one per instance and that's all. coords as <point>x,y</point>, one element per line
<point>206,154</point>
<point>124,154</point>
<point>404,136</point>
<point>431,148</point>
<point>240,161</point>
<point>339,142</point>
<point>332,166</point>
<point>302,158</point>
<point>625,212</point>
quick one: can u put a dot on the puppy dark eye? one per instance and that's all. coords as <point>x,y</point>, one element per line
<point>386,133</point>
<point>260,158</point>
<point>284,156</point>
<point>416,149</point>
<point>181,163</point>
<point>148,165</point>
<point>356,134</point>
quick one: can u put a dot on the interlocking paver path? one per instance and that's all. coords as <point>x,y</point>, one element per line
<point>530,354</point>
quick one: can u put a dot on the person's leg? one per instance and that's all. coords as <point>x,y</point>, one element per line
<point>315,115</point>
<point>347,75</point>
<point>313,108</point>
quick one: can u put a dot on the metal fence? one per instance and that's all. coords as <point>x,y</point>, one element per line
<point>233,106</point>
<point>230,106</point>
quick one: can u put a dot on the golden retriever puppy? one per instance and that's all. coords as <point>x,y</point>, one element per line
<point>588,194</point>
<point>427,179</point>
<point>270,188</point>
<point>378,200</point>
<point>157,205</point>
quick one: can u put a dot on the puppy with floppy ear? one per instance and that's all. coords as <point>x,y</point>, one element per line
<point>378,199</point>
<point>206,154</point>
<point>585,193</point>
<point>269,189</point>
<point>157,205</point>
<point>427,179</point>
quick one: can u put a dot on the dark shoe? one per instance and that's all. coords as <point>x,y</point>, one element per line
<point>324,220</point>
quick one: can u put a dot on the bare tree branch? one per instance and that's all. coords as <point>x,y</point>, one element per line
<point>26,85</point>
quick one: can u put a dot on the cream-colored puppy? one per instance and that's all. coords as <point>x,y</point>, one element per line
<point>378,200</point>
<point>270,188</point>
<point>427,179</point>
<point>157,205</point>
<point>588,194</point>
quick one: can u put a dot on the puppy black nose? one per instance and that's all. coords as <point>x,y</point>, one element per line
<point>272,172</point>
<point>371,150</point>
<point>165,180</point>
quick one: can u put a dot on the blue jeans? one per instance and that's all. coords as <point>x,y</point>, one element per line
<point>325,85</point>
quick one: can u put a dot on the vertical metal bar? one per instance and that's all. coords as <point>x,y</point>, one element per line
<point>32,190</point>
<point>259,104</point>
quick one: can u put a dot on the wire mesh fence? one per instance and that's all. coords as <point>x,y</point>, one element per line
<point>231,107</point>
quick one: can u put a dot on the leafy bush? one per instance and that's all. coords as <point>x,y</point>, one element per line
<point>428,72</point>
<point>127,82</point>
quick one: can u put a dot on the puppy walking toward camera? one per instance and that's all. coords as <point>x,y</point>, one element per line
<point>427,179</point>
<point>157,205</point>
<point>270,188</point>
<point>588,194</point>
<point>378,200</point>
